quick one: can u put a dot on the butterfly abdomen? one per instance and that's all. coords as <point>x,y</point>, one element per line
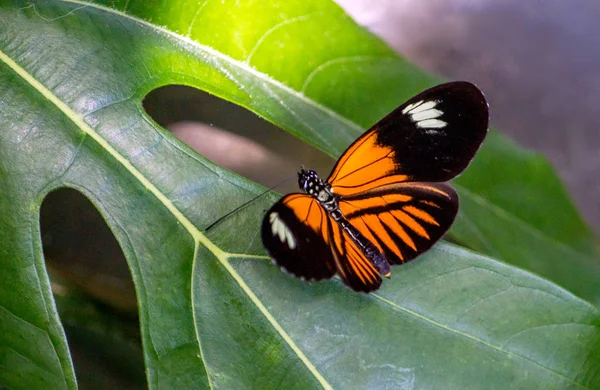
<point>371,252</point>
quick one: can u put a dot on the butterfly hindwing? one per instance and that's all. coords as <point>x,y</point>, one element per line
<point>295,232</point>
<point>403,220</point>
<point>430,138</point>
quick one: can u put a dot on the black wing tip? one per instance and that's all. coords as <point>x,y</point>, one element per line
<point>466,88</point>
<point>473,93</point>
<point>471,103</point>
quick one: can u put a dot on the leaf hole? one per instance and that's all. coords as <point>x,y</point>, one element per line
<point>232,136</point>
<point>94,292</point>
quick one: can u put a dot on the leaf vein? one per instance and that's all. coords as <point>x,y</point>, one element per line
<point>475,339</point>
<point>335,61</point>
<point>274,28</point>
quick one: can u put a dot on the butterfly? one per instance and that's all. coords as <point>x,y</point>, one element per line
<point>386,200</point>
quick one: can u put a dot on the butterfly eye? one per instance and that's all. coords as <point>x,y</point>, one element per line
<point>302,179</point>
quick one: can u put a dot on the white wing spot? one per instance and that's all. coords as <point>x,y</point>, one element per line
<point>422,106</point>
<point>427,114</point>
<point>431,124</point>
<point>424,114</point>
<point>410,107</point>
<point>278,228</point>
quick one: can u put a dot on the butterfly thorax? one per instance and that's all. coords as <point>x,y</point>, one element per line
<point>319,189</point>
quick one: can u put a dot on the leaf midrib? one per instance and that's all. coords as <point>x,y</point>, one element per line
<point>197,235</point>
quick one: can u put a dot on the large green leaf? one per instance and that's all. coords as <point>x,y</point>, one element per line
<point>213,312</point>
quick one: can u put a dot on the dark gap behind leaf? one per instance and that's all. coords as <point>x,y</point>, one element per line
<point>234,137</point>
<point>94,292</point>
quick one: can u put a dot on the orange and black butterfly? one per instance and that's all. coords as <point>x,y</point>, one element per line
<point>386,201</point>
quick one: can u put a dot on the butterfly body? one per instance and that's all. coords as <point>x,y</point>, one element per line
<point>386,200</point>
<point>313,185</point>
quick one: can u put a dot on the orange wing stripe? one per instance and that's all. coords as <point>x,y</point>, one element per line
<point>422,215</point>
<point>426,187</point>
<point>337,251</point>
<point>339,267</point>
<point>410,222</point>
<point>375,224</point>
<point>355,262</point>
<point>378,201</point>
<point>432,204</point>
<point>397,228</point>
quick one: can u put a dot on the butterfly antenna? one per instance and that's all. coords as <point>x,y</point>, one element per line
<point>247,203</point>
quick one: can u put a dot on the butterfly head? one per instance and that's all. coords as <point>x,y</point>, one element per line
<point>318,188</point>
<point>307,180</point>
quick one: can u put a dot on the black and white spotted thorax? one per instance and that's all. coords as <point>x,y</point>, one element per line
<point>319,189</point>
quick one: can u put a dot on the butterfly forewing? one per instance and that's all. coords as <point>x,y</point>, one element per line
<point>431,138</point>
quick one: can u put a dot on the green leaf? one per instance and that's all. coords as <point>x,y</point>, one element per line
<point>214,312</point>
<point>450,320</point>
